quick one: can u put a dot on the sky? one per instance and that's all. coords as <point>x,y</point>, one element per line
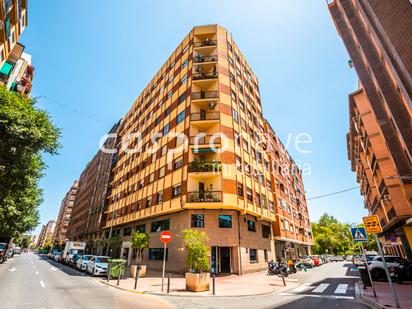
<point>93,58</point>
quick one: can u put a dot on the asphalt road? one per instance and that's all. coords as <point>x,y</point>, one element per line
<point>31,281</point>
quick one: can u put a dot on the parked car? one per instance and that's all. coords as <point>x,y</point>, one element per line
<point>316,260</point>
<point>98,265</point>
<point>17,250</point>
<point>349,258</point>
<point>337,258</point>
<point>57,256</point>
<point>81,263</point>
<point>376,266</point>
<point>3,252</point>
<point>307,261</point>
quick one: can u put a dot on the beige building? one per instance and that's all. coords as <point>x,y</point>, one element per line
<point>46,234</point>
<point>201,162</point>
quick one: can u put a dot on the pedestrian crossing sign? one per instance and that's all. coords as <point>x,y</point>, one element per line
<point>359,234</point>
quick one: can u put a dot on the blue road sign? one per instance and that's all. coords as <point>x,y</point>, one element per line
<point>359,234</point>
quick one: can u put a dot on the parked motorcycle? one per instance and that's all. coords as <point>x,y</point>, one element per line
<point>300,266</point>
<point>277,269</point>
<point>401,273</point>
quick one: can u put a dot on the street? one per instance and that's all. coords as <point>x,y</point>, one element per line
<point>32,281</point>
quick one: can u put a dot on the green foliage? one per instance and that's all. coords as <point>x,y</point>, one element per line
<point>197,250</point>
<point>26,132</point>
<point>140,241</point>
<point>23,241</point>
<point>47,246</point>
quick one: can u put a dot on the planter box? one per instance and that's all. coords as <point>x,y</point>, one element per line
<point>197,282</point>
<point>133,270</point>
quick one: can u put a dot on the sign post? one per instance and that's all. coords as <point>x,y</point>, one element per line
<point>372,225</point>
<point>165,237</point>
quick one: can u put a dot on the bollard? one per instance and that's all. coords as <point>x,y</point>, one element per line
<point>168,283</point>
<point>118,277</point>
<point>214,284</point>
<point>283,278</point>
<point>108,273</point>
<point>136,277</point>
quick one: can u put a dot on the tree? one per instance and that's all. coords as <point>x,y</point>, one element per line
<point>23,241</point>
<point>140,241</point>
<point>197,250</point>
<point>26,132</point>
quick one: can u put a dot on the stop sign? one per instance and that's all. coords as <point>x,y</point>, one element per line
<point>165,237</point>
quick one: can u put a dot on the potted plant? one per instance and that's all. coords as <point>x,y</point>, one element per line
<point>139,242</point>
<point>198,276</point>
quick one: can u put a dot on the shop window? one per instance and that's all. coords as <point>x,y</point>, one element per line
<point>198,220</point>
<point>157,253</point>
<point>162,225</point>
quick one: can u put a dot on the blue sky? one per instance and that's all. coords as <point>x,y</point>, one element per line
<point>93,58</point>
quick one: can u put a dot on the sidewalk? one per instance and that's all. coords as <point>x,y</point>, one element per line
<point>233,285</point>
<point>384,295</point>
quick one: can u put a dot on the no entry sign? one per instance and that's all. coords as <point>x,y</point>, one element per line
<point>165,237</point>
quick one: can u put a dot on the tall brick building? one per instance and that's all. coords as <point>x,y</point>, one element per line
<point>377,35</point>
<point>63,219</point>
<point>208,166</point>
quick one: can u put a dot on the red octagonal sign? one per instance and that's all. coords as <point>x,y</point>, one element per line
<point>165,237</point>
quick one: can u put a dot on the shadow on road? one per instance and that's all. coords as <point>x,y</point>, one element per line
<point>66,269</point>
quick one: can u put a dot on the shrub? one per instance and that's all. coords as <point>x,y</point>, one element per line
<point>197,250</point>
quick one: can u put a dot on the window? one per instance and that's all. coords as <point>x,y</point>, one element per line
<point>157,253</point>
<point>180,117</point>
<point>249,195</point>
<point>151,177</point>
<point>235,115</point>
<point>176,191</point>
<point>141,228</point>
<point>169,94</point>
<point>149,202</point>
<point>233,95</point>
<point>251,226</point>
<point>182,98</point>
<point>167,111</point>
<point>185,63</point>
<point>184,79</point>
<point>265,254</point>
<point>162,225</point>
<point>185,49</point>
<point>178,163</point>
<point>239,163</point>
<point>171,79</point>
<point>240,189</point>
<point>242,105</point>
<point>164,150</point>
<point>198,221</point>
<point>162,172</point>
<point>225,221</point>
<point>253,256</point>
<point>166,129</point>
<point>159,198</point>
<point>127,231</point>
<point>237,138</point>
<point>265,231</point>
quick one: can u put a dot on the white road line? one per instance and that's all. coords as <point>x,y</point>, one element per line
<point>42,284</point>
<point>37,272</point>
<point>12,269</point>
<point>301,288</point>
<point>34,267</point>
<point>319,296</point>
<point>341,289</point>
<point>321,288</point>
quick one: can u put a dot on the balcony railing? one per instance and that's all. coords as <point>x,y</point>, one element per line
<point>204,166</point>
<point>205,95</point>
<point>206,42</point>
<point>205,140</point>
<point>205,116</point>
<point>201,75</point>
<point>200,58</point>
<point>204,197</point>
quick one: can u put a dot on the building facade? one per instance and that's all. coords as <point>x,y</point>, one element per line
<point>377,36</point>
<point>63,219</point>
<point>200,161</point>
<point>16,70</point>
<point>46,234</point>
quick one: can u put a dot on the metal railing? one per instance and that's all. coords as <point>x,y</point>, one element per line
<point>205,116</point>
<point>204,166</point>
<point>205,43</point>
<point>200,58</point>
<point>205,139</point>
<point>201,75</point>
<point>205,95</point>
<point>204,196</point>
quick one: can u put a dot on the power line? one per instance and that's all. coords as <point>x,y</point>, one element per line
<point>332,193</point>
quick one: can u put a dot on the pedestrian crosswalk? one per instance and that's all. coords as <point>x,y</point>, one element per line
<point>322,288</point>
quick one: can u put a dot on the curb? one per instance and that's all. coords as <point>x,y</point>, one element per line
<point>194,295</point>
<point>361,298</point>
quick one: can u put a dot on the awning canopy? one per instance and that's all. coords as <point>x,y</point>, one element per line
<point>6,68</point>
<point>202,150</point>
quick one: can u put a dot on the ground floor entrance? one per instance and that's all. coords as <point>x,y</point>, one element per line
<point>221,260</point>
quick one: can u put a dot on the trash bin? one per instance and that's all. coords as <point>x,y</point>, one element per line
<point>116,267</point>
<point>364,276</point>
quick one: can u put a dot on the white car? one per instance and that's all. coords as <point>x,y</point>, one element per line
<point>376,266</point>
<point>98,265</point>
<point>81,263</point>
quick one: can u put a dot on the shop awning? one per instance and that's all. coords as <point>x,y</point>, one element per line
<point>6,68</point>
<point>202,150</point>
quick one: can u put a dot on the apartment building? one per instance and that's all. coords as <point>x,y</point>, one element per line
<point>16,70</point>
<point>63,219</point>
<point>89,205</point>
<point>46,233</point>
<point>377,36</point>
<point>200,161</point>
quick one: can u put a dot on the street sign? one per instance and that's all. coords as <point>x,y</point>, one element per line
<point>165,237</point>
<point>359,234</point>
<point>372,224</point>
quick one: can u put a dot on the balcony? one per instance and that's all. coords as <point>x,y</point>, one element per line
<point>205,95</point>
<point>205,116</point>
<point>205,140</point>
<point>199,76</point>
<point>201,59</point>
<point>204,167</point>
<point>205,43</point>
<point>204,197</point>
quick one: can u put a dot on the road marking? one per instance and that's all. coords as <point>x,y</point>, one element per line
<point>301,288</point>
<point>37,272</point>
<point>341,289</point>
<point>319,296</point>
<point>53,268</point>
<point>321,288</point>
<point>42,284</point>
<point>34,267</point>
<point>12,269</point>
